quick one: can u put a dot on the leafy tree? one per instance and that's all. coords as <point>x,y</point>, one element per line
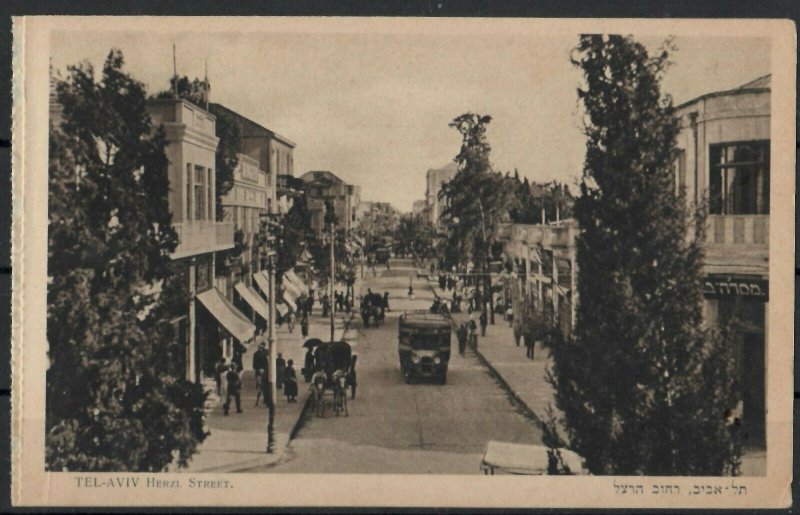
<point>477,200</point>
<point>116,399</point>
<point>294,234</point>
<point>643,386</point>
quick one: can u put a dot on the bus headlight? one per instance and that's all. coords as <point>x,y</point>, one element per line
<point>437,360</point>
<point>414,358</point>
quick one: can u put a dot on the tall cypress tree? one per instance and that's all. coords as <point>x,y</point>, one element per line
<point>116,401</point>
<point>643,386</point>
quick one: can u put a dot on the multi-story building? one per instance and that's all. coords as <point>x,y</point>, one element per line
<point>724,161</point>
<point>211,321</point>
<point>544,275</point>
<point>322,186</point>
<point>377,219</point>
<point>434,178</point>
<point>273,153</point>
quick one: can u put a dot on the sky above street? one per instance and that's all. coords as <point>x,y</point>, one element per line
<point>374,108</point>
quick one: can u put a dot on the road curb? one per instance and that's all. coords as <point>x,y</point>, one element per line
<point>514,397</point>
<point>298,424</point>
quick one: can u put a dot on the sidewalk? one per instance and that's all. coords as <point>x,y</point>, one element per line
<point>238,442</point>
<point>525,379</point>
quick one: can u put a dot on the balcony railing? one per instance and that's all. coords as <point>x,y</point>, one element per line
<point>202,236</point>
<point>750,230</point>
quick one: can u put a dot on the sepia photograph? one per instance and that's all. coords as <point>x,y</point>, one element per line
<point>404,248</point>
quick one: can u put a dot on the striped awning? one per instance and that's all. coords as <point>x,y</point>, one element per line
<point>230,318</point>
<point>295,280</point>
<point>262,280</point>
<point>253,299</point>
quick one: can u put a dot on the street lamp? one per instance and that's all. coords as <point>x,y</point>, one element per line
<point>269,260</point>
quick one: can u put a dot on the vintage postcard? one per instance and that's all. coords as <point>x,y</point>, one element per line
<point>396,262</point>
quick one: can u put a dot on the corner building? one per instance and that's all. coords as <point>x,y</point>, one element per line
<point>724,161</point>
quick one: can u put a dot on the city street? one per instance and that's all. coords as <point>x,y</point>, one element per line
<point>397,428</point>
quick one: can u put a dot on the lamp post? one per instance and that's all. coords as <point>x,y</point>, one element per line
<point>270,258</point>
<point>333,274</point>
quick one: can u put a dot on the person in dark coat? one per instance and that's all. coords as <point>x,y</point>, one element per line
<point>290,382</point>
<point>461,334</point>
<point>234,390</point>
<point>304,326</point>
<point>386,300</point>
<point>351,377</point>
<point>238,354</point>
<point>484,322</point>
<point>280,370</point>
<point>326,305</point>
<point>260,364</point>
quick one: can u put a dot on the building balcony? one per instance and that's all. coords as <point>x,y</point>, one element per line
<point>737,244</point>
<point>202,236</point>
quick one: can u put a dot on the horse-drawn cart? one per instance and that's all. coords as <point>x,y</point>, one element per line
<point>330,379</point>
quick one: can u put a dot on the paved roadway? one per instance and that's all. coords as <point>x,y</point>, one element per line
<point>397,428</point>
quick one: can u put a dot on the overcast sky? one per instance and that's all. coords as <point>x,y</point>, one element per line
<point>374,108</point>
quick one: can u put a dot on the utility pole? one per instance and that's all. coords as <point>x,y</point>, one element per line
<point>333,275</point>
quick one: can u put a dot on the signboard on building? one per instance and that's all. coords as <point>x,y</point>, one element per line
<point>717,286</point>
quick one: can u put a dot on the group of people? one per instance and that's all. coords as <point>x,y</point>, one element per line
<point>341,302</point>
<point>230,374</point>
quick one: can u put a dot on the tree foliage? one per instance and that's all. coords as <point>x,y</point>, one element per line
<point>115,401</point>
<point>643,385</point>
<point>413,237</point>
<point>477,199</point>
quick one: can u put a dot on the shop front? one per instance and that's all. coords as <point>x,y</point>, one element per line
<point>740,303</point>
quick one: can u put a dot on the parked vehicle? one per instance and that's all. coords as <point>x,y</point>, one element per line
<point>521,459</point>
<point>329,381</point>
<point>424,345</point>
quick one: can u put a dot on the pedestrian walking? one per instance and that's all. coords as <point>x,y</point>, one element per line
<point>326,305</point>
<point>510,316</point>
<point>260,364</point>
<point>529,345</point>
<point>280,370</point>
<point>484,321</point>
<point>386,299</point>
<point>351,377</point>
<point>290,382</point>
<point>517,333</point>
<point>234,385</point>
<point>219,372</point>
<point>461,334</point>
<point>304,326</point>
<point>473,333</point>
<point>238,354</point>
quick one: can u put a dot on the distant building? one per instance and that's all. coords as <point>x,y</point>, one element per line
<point>724,160</point>
<point>322,186</point>
<point>418,211</point>
<point>273,152</point>
<point>378,219</point>
<point>434,180</point>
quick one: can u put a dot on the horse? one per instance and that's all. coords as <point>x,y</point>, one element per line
<point>340,392</point>
<point>318,382</point>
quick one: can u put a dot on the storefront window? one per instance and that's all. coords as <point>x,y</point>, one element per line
<point>739,182</point>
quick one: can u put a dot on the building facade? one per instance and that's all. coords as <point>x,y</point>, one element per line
<point>322,186</point>
<point>544,271</point>
<point>209,324</point>
<point>724,161</point>
<point>434,178</point>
